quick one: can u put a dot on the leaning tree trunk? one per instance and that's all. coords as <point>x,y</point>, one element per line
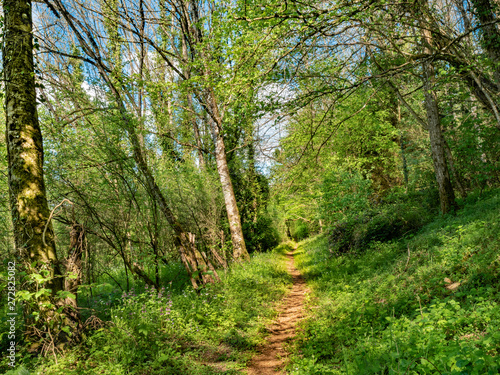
<point>233,215</point>
<point>210,105</point>
<point>33,232</point>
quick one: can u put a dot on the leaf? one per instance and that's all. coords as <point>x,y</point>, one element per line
<point>163,357</point>
<point>453,286</point>
<point>40,293</point>
<point>72,276</point>
<point>65,294</point>
<point>24,295</point>
<point>39,278</point>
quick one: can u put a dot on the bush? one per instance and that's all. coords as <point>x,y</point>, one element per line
<point>345,193</point>
<point>301,231</point>
<point>262,235</point>
<point>396,216</point>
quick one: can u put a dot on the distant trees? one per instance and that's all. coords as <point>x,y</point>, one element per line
<point>421,52</point>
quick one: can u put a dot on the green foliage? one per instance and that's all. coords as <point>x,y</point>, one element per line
<point>345,192</point>
<point>261,235</point>
<point>301,230</point>
<point>171,331</point>
<point>252,194</point>
<point>21,370</point>
<point>426,303</point>
<point>395,216</point>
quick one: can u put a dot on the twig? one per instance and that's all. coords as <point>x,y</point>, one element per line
<point>50,217</point>
<point>407,260</point>
<point>420,304</point>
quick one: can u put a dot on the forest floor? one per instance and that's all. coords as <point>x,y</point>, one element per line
<point>273,354</point>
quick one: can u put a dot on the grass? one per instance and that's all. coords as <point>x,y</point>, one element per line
<point>427,303</point>
<point>177,330</point>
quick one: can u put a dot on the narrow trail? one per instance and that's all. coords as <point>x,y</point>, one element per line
<point>273,354</point>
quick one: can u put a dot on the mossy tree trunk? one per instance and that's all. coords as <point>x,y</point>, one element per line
<point>33,232</point>
<point>30,211</point>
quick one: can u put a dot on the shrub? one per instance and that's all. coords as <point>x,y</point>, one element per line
<point>396,216</point>
<point>345,193</point>
<point>262,235</point>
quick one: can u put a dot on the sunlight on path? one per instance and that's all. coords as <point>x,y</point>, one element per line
<point>273,354</point>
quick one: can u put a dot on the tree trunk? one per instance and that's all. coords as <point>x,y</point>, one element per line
<point>33,232</point>
<point>74,268</point>
<point>216,121</point>
<point>30,211</point>
<point>233,215</point>
<point>446,193</point>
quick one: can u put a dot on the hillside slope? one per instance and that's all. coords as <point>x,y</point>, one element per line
<point>423,304</point>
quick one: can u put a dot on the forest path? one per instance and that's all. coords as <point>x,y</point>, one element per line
<point>273,354</point>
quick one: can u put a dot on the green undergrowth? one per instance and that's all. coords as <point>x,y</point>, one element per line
<point>427,303</point>
<point>213,331</point>
<point>396,215</point>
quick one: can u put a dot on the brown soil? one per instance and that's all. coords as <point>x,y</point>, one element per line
<point>273,353</point>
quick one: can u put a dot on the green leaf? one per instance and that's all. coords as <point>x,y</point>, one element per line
<point>65,294</point>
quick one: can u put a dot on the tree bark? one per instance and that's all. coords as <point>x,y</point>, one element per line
<point>233,215</point>
<point>446,193</point>
<point>33,232</point>
<point>30,211</point>
<point>74,267</point>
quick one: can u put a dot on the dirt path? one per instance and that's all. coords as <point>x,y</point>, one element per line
<point>273,354</point>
